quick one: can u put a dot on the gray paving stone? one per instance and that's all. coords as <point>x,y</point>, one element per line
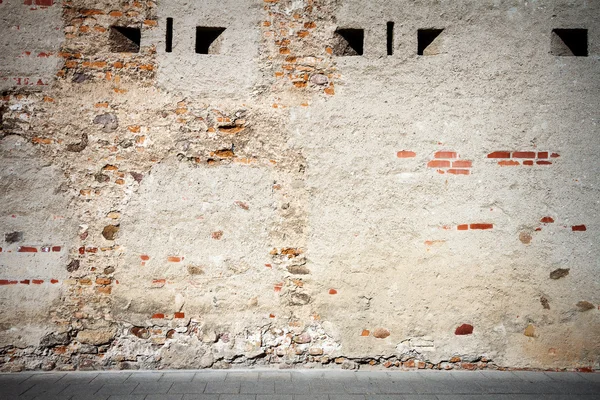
<point>14,388</point>
<point>565,376</point>
<point>127,397</point>
<point>177,377</point>
<point>222,388</point>
<point>164,397</point>
<point>237,397</point>
<point>436,375</point>
<point>326,387</point>
<point>46,377</point>
<point>347,397</point>
<point>144,377</point>
<point>242,376</point>
<point>89,397</point>
<point>111,377</point>
<point>117,388</point>
<point>187,387</point>
<point>14,378</point>
<point>498,375</point>
<point>82,388</point>
<point>78,377</point>
<point>301,387</point>
<point>401,397</point>
<point>395,388</point>
<point>311,397</point>
<point>372,375</point>
<point>275,376</point>
<point>260,387</point>
<point>152,388</point>
<point>403,376</point>
<point>274,397</point>
<point>445,386</point>
<point>44,388</point>
<point>529,376</point>
<point>593,377</point>
<point>210,376</point>
<point>298,376</point>
<point>362,387</point>
<point>200,397</point>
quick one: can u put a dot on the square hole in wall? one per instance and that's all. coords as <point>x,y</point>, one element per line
<point>569,42</point>
<point>349,42</point>
<point>124,40</point>
<point>206,39</point>
<point>428,41</point>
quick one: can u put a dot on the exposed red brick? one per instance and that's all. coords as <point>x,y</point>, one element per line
<point>482,226</point>
<point>365,332</point>
<point>508,163</point>
<point>523,154</point>
<point>179,315</point>
<point>547,220</point>
<point>144,257</point>
<point>158,316</point>
<point>464,227</point>
<point>25,282</point>
<point>528,162</point>
<point>53,281</point>
<point>438,164</point>
<point>499,154</point>
<point>543,163</point>
<point>27,249</point>
<point>462,164</point>
<point>81,250</point>
<point>459,171</point>
<point>542,154</point>
<point>406,154</point>
<point>554,155</point>
<point>445,154</point>
<point>332,291</point>
<point>174,259</point>
<point>37,281</point>
<point>7,282</point>
<point>464,329</point>
<point>578,228</point>
<point>56,249</point>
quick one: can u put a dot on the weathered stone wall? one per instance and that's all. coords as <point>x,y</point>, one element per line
<point>281,202</point>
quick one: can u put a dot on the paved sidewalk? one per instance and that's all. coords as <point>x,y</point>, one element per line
<point>300,385</point>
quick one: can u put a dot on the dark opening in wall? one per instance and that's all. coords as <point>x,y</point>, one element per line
<point>205,38</point>
<point>425,39</point>
<point>390,38</point>
<point>569,42</point>
<point>169,38</point>
<point>349,42</point>
<point>124,40</point>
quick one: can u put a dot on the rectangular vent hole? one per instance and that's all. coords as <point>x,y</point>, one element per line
<point>428,42</point>
<point>124,40</point>
<point>349,42</point>
<point>169,38</point>
<point>390,38</point>
<point>206,39</point>
<point>569,42</point>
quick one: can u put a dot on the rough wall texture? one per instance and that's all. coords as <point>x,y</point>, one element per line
<point>280,202</point>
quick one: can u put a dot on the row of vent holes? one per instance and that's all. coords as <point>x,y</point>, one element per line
<point>565,42</point>
<point>127,40</point>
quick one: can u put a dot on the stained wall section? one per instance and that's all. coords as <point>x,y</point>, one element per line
<point>273,203</point>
